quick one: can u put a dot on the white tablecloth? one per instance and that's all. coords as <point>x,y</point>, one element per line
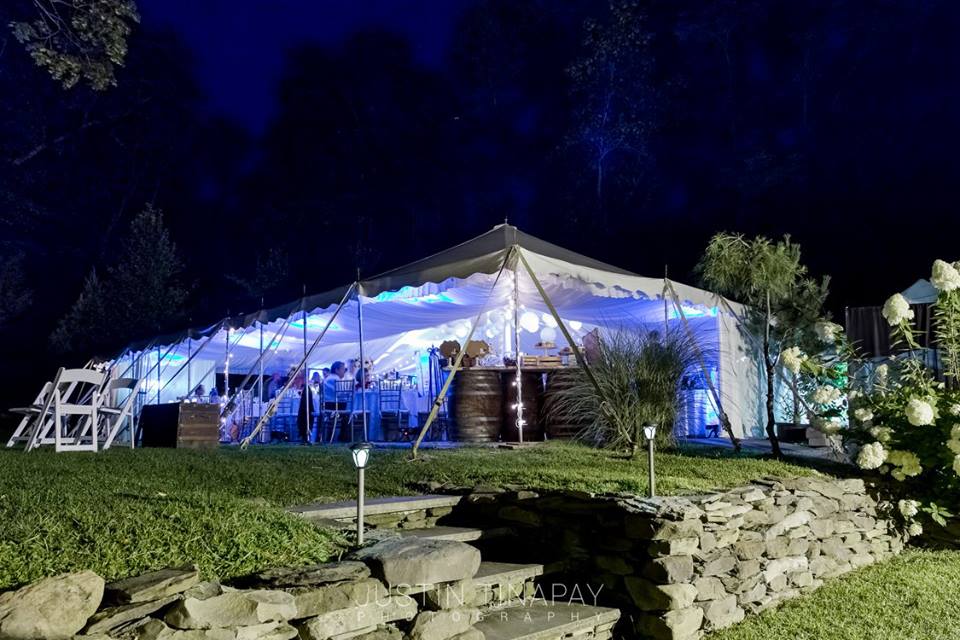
<point>410,401</point>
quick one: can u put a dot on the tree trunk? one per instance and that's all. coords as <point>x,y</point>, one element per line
<point>769,363</point>
<point>771,420</point>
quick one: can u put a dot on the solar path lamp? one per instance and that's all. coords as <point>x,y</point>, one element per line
<point>650,432</point>
<point>361,456</point>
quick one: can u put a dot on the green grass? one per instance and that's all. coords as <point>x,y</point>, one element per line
<point>915,596</point>
<point>120,512</point>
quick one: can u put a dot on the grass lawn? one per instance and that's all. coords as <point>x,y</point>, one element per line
<point>915,596</point>
<point>122,511</point>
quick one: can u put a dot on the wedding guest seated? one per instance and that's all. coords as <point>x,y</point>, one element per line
<point>363,379</point>
<point>337,372</point>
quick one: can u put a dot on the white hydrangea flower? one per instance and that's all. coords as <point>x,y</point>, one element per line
<point>907,463</point>
<point>945,276</point>
<point>955,409</point>
<point>919,412</point>
<point>954,445</point>
<point>955,432</point>
<point>956,465</point>
<point>827,331</point>
<point>853,395</point>
<point>793,359</point>
<point>896,310</point>
<point>871,456</point>
<point>826,394</point>
<point>829,426</point>
<point>882,434</point>
<point>908,508</point>
<point>915,529</point>
<point>863,415</point>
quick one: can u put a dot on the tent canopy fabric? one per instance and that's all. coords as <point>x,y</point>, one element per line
<point>409,309</point>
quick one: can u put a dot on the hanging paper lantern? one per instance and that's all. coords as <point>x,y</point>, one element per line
<point>576,325</point>
<point>529,321</point>
<point>549,320</point>
<point>548,334</point>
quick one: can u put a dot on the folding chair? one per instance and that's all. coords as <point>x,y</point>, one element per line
<point>343,401</point>
<point>394,419</point>
<point>116,414</point>
<point>69,401</point>
<point>30,413</point>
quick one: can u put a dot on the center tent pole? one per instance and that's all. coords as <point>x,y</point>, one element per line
<point>308,402</point>
<point>260,379</point>
<point>438,401</point>
<point>363,363</point>
<point>518,383</point>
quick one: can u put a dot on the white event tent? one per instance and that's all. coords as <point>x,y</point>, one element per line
<point>397,316</point>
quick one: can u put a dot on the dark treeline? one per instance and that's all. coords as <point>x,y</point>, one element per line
<point>630,131</point>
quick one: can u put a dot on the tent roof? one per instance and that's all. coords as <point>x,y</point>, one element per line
<point>485,254</point>
<point>920,292</point>
<point>482,254</point>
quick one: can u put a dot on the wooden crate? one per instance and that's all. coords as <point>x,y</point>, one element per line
<point>184,425</point>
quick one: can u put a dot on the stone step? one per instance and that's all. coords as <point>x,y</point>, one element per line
<point>372,506</point>
<point>503,583</point>
<point>461,534</point>
<point>543,620</point>
<point>494,578</point>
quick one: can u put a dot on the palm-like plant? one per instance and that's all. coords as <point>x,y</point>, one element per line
<point>638,382</point>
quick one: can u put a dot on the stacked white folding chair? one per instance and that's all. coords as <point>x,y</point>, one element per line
<point>77,394</point>
<point>117,410</point>
<point>25,431</point>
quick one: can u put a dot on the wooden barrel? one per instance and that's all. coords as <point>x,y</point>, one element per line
<point>532,403</point>
<point>560,427</point>
<point>477,406</point>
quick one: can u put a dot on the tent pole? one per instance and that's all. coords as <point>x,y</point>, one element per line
<point>159,360</point>
<point>363,363</point>
<point>438,401</point>
<point>276,400</point>
<point>260,379</point>
<point>724,419</point>
<point>578,355</point>
<point>518,382</point>
<point>308,403</point>
<point>189,368</point>
<point>261,361</point>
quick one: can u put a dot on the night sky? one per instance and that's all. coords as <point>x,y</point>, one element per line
<point>239,47</point>
<point>371,133</point>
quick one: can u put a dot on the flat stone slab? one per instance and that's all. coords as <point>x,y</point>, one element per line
<point>493,573</point>
<point>543,620</point>
<point>460,534</point>
<point>372,506</point>
<point>153,585</point>
<point>405,562</point>
<point>307,576</point>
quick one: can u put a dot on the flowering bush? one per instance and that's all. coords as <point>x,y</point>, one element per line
<point>904,419</point>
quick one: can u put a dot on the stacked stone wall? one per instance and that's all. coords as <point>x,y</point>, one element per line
<point>679,567</point>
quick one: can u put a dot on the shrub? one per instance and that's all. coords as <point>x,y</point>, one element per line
<point>638,382</point>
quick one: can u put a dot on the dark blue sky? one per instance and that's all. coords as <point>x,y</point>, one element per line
<point>240,46</point>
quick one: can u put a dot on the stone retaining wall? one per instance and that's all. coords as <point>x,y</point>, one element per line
<point>678,567</point>
<point>396,589</point>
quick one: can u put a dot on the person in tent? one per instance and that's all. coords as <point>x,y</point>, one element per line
<point>364,379</point>
<point>337,372</point>
<point>199,393</point>
<point>351,371</point>
<point>326,372</point>
<point>274,386</point>
<point>307,413</point>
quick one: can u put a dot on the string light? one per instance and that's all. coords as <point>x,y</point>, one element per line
<point>518,381</point>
